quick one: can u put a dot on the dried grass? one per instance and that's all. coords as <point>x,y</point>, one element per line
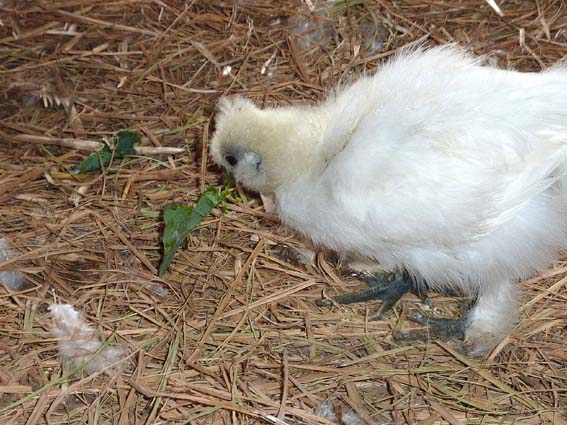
<point>231,335</point>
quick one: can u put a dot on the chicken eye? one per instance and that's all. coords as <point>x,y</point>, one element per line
<point>231,159</point>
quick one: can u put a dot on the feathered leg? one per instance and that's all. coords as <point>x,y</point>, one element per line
<point>485,321</point>
<point>484,324</point>
<point>492,318</point>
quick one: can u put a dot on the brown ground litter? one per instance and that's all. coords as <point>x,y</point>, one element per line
<point>231,334</point>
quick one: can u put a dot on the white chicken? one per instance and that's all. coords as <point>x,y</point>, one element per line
<point>436,166</point>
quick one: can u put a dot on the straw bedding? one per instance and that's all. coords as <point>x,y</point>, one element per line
<point>230,335</point>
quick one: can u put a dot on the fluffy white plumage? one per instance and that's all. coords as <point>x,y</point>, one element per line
<point>453,171</point>
<point>78,343</point>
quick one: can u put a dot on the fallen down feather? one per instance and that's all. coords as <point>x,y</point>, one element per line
<point>79,345</point>
<point>12,280</point>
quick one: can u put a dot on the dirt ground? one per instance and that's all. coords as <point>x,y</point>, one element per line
<point>231,334</point>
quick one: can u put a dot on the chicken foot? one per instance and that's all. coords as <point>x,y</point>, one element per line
<point>390,288</point>
<point>387,287</point>
<point>487,318</point>
<point>435,328</point>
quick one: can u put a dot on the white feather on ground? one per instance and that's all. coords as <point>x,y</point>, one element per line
<point>12,280</point>
<point>78,342</point>
<point>329,410</point>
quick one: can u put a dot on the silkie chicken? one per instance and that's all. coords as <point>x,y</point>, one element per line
<point>450,174</point>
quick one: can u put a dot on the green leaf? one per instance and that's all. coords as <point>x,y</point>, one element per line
<point>123,146</point>
<point>176,219</point>
<point>96,161</point>
<point>182,219</point>
<point>125,143</point>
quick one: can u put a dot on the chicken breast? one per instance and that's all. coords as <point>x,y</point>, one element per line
<point>436,165</point>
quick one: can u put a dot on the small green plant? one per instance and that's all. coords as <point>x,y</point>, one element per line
<point>123,146</point>
<point>179,220</point>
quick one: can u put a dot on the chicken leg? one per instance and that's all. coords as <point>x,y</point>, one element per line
<point>486,320</point>
<point>389,288</point>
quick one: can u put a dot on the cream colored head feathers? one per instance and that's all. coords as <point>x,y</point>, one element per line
<point>264,149</point>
